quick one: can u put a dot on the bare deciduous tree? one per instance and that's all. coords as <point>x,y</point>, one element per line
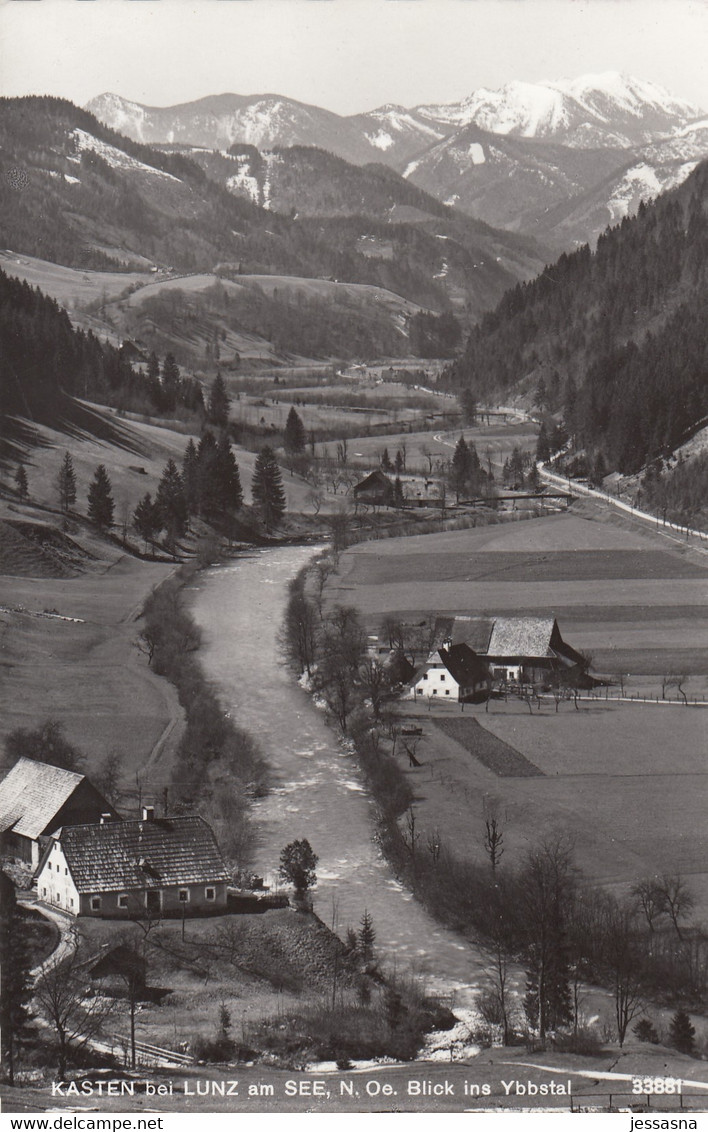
<point>62,996</point>
<point>677,899</point>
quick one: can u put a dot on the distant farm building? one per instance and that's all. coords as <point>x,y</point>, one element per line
<point>376,489</point>
<point>36,799</point>
<point>135,869</point>
<point>455,673</point>
<point>522,650</point>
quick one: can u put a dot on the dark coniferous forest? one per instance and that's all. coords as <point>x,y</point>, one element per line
<point>616,340</point>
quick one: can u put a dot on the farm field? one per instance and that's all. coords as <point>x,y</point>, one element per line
<point>633,600</point>
<point>626,782</point>
<point>494,444</point>
<point>70,285</point>
<point>87,673</point>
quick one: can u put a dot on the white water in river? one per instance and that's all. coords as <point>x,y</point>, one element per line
<point>318,792</point>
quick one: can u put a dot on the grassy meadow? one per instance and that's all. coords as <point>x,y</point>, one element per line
<point>626,781</point>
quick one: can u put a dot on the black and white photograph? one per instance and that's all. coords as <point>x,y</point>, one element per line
<point>353,560</point>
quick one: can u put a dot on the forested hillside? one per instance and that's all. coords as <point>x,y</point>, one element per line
<point>616,339</point>
<point>84,196</point>
<point>45,363</point>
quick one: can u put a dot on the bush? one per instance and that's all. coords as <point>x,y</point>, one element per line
<point>583,1041</point>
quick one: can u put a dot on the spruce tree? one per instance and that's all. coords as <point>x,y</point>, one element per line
<point>16,985</point>
<point>460,468</point>
<point>170,381</point>
<point>66,483</point>
<point>100,498</point>
<point>294,436</point>
<point>398,496</point>
<point>682,1032</point>
<point>171,502</point>
<point>190,477</point>
<point>267,489</point>
<point>207,480</point>
<point>367,937</point>
<point>228,478</point>
<point>218,409</point>
<point>146,519</point>
<point>21,481</point>
<point>386,461</point>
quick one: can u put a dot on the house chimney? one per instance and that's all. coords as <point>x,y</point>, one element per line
<point>105,818</point>
<point>148,813</point>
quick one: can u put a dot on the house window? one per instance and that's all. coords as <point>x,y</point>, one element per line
<point>71,901</point>
<point>58,897</point>
<point>210,893</point>
<point>123,901</point>
<point>44,892</point>
<point>95,903</point>
<point>425,675</point>
<point>442,675</point>
<point>447,691</point>
<point>435,691</point>
<point>184,895</point>
<point>66,872</point>
<point>419,691</point>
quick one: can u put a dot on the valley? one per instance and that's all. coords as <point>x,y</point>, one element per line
<point>280,388</point>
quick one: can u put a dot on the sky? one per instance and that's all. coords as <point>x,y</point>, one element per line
<point>345,55</point>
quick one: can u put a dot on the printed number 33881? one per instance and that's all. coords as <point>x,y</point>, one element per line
<point>656,1085</point>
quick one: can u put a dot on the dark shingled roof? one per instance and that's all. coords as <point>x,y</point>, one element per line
<point>464,665</point>
<point>119,856</point>
<point>460,629</point>
<point>32,794</point>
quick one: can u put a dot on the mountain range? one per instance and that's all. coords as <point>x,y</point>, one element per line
<point>558,160</point>
<point>93,199</point>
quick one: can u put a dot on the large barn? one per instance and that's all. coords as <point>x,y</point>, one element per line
<point>520,650</point>
<point>36,799</point>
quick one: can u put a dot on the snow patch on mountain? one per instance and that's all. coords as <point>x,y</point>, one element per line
<point>120,114</point>
<point>645,182</point>
<point>476,152</point>
<point>631,94</point>
<point>244,182</point>
<point>381,139</point>
<point>114,157</point>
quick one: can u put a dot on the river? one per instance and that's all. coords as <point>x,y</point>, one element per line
<point>318,792</point>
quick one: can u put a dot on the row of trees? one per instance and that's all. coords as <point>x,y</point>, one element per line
<point>208,485</point>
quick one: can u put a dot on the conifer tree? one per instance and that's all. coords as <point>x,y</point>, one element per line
<point>294,436</point>
<point>398,497</point>
<point>218,409</point>
<point>100,498</point>
<point>207,485</point>
<point>228,478</point>
<point>66,483</point>
<point>146,519</point>
<point>190,477</point>
<point>386,461</point>
<point>21,481</point>
<point>682,1032</point>
<point>367,937</point>
<point>267,489</point>
<point>170,381</point>
<point>171,502</point>
<point>460,468</point>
